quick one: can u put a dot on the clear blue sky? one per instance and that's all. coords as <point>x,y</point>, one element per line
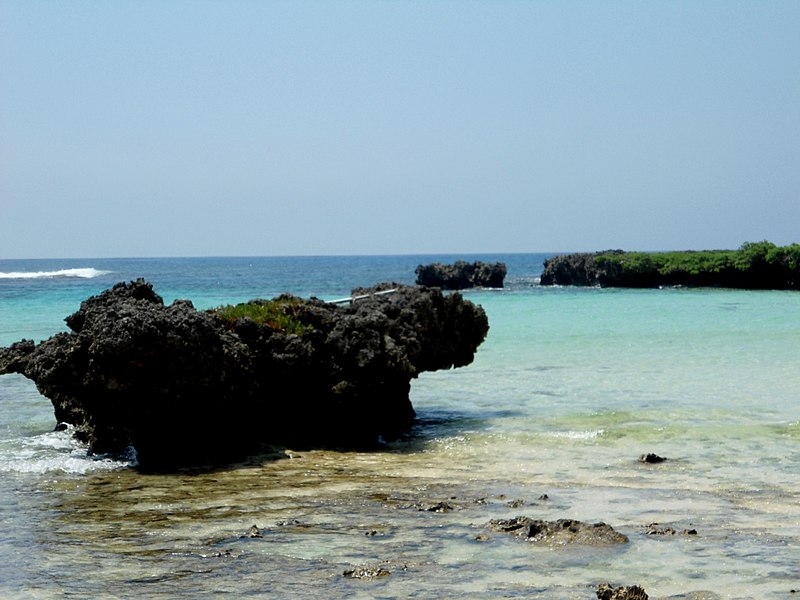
<point>171,128</point>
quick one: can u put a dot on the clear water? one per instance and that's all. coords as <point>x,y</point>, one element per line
<point>569,389</point>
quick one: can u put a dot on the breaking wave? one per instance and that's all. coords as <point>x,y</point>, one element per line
<point>81,273</point>
<point>54,452</point>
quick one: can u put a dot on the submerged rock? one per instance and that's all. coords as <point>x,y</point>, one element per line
<point>253,532</point>
<point>656,529</point>
<point>560,532</point>
<point>462,275</point>
<point>183,386</point>
<point>439,507</point>
<point>366,572</point>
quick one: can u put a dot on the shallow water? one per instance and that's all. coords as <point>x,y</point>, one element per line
<point>570,388</point>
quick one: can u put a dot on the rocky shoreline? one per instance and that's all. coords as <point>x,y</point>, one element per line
<point>559,535</point>
<point>182,386</point>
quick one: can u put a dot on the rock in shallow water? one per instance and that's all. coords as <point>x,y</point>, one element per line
<point>560,532</point>
<point>462,275</point>
<point>651,458</point>
<point>606,591</point>
<point>368,572</point>
<point>183,386</point>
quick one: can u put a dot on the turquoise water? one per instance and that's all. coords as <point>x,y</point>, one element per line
<point>569,389</point>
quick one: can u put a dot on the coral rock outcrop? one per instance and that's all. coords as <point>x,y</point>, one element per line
<point>462,275</point>
<point>182,386</point>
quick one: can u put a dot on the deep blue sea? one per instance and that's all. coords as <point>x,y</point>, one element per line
<point>570,388</point>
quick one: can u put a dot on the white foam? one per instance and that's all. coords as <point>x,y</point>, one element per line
<point>576,435</point>
<point>53,452</point>
<point>79,273</point>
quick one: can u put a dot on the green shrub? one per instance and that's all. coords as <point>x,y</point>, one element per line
<point>789,257</point>
<point>754,264</point>
<point>751,254</point>
<point>281,314</point>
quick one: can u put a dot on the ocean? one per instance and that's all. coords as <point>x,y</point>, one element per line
<point>571,387</point>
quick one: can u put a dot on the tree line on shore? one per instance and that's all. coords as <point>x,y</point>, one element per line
<point>754,265</point>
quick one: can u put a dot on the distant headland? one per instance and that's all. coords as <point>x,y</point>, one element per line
<point>755,265</point>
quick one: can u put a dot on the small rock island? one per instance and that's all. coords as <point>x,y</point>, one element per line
<point>759,265</point>
<point>462,275</point>
<point>183,387</point>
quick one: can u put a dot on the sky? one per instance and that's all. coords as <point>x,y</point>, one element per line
<point>250,128</point>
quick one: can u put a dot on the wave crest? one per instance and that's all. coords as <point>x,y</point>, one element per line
<point>79,273</point>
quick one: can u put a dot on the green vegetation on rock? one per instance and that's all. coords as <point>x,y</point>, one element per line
<point>280,314</point>
<point>755,265</point>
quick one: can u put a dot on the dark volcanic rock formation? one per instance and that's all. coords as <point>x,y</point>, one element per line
<point>560,532</point>
<point>183,386</point>
<point>462,275</point>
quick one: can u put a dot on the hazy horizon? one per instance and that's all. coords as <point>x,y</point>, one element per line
<point>471,254</point>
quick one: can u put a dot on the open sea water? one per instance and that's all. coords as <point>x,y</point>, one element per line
<point>570,388</point>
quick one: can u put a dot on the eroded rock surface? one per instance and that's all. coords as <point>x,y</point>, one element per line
<point>606,591</point>
<point>462,275</point>
<point>560,532</point>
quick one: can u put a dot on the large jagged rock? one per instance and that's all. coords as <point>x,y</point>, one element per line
<point>183,386</point>
<point>579,269</point>
<point>462,275</point>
